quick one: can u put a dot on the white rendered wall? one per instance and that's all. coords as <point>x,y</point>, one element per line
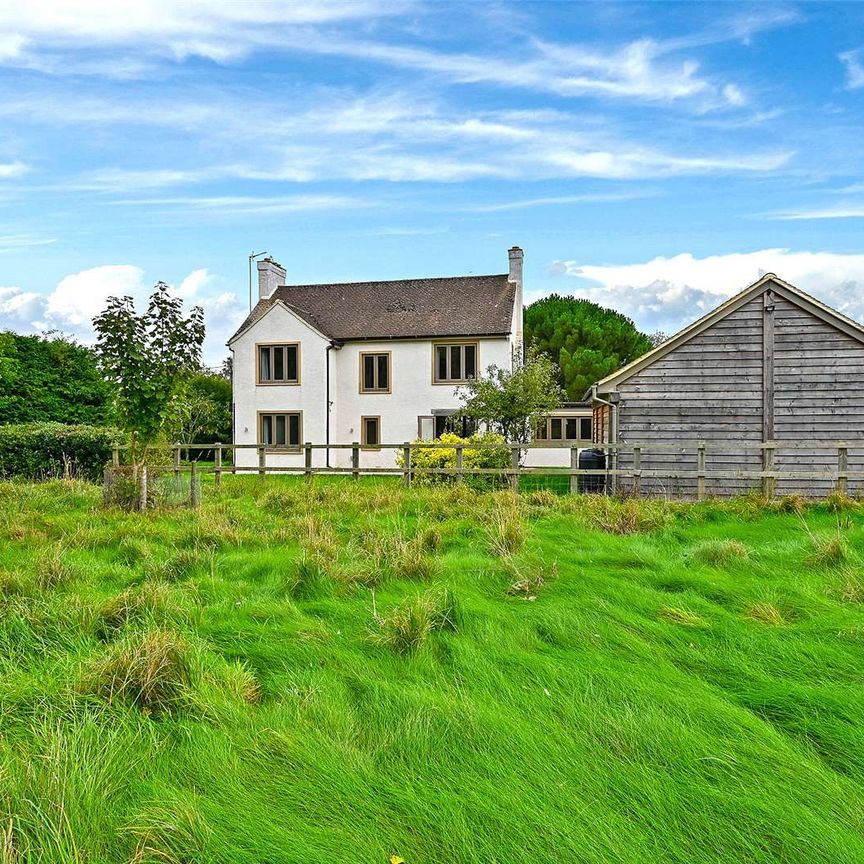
<point>412,393</point>
<point>280,325</point>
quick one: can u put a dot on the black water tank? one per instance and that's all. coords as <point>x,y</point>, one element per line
<point>594,460</point>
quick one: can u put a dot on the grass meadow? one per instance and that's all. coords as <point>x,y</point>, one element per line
<point>340,671</point>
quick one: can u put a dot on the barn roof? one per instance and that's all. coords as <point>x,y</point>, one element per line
<point>398,309</point>
<point>768,281</point>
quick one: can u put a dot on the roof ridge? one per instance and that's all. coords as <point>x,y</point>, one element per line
<point>396,281</point>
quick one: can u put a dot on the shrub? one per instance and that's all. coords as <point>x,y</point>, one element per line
<point>39,450</point>
<point>408,626</point>
<point>425,458</point>
<point>153,671</point>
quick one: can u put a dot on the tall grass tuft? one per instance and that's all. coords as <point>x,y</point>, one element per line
<point>172,831</point>
<point>52,568</point>
<point>719,552</point>
<point>621,515</point>
<point>829,551</point>
<point>684,617</point>
<point>765,613</point>
<point>154,671</point>
<point>406,628</point>
<point>148,602</point>
<point>506,530</point>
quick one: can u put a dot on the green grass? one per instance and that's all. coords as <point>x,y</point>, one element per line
<point>343,671</point>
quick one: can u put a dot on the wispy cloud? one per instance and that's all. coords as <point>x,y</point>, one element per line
<point>15,242</point>
<point>837,211</point>
<point>250,205</point>
<point>559,200</point>
<point>852,61</point>
<point>13,169</point>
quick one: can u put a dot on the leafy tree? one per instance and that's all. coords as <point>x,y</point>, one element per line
<point>587,341</point>
<point>146,358</point>
<point>511,402</point>
<point>201,410</point>
<point>50,378</point>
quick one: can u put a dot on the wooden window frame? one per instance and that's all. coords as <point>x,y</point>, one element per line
<point>449,382</point>
<point>258,347</point>
<point>389,387</point>
<point>563,441</point>
<point>280,448</point>
<point>363,444</point>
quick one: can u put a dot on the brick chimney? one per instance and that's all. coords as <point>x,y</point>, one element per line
<point>270,276</point>
<point>516,256</point>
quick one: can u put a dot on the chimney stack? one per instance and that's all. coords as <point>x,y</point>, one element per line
<point>516,256</point>
<point>270,276</point>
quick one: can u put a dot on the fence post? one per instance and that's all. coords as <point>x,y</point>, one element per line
<point>768,483</point>
<point>233,452</point>
<point>194,488</point>
<point>307,459</point>
<point>355,460</point>
<point>574,464</point>
<point>514,468</point>
<point>217,473</point>
<point>107,487</point>
<point>115,455</point>
<point>142,489</point>
<point>176,461</point>
<point>700,472</point>
<point>842,469</point>
<point>406,467</point>
<point>459,460</point>
<point>262,462</point>
<point>637,469</point>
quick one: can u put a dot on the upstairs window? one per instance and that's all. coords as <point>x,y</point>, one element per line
<point>280,431</point>
<point>375,372</point>
<point>560,428</point>
<point>279,364</point>
<point>454,362</point>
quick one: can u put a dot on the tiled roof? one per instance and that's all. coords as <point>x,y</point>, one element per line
<point>403,308</point>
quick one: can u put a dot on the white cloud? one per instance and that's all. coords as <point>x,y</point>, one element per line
<point>852,61</point>
<point>13,169</point>
<point>79,297</point>
<point>234,205</point>
<point>221,30</point>
<point>669,293</point>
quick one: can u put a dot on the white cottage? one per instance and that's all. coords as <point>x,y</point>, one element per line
<point>369,362</point>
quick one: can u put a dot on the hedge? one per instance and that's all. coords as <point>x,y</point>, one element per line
<point>41,450</point>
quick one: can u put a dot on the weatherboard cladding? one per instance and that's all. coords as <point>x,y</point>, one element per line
<point>711,387</point>
<point>399,309</point>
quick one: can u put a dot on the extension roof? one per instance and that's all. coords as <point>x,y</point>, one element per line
<point>399,309</point>
<point>768,282</point>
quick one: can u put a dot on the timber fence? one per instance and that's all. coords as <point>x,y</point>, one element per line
<point>689,469</point>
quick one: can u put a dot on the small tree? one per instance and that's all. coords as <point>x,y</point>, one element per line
<point>511,402</point>
<point>200,412</point>
<point>145,358</point>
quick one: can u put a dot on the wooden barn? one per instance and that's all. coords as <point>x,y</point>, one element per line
<point>765,389</point>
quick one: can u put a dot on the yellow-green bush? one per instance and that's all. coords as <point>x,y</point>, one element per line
<point>444,456</point>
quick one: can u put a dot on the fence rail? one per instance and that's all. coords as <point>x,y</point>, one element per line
<point>638,472</point>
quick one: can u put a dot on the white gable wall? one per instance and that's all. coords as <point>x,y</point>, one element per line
<point>279,325</point>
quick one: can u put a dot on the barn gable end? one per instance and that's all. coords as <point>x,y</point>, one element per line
<point>771,364</point>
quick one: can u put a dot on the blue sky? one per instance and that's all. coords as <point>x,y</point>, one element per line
<point>655,158</point>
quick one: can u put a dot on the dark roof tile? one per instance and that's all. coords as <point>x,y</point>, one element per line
<point>404,308</point>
